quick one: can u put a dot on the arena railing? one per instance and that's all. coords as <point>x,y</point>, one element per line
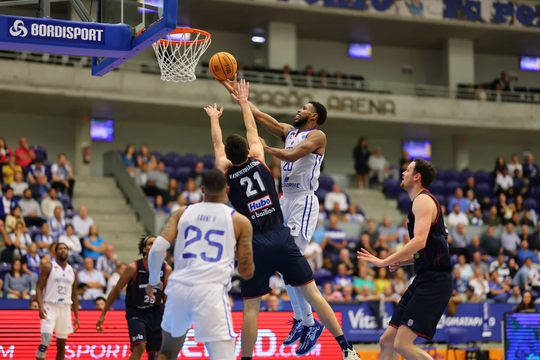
<point>271,77</point>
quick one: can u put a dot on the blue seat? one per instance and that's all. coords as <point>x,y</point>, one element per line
<point>404,202</point>
<point>65,200</point>
<point>451,175</point>
<point>530,204</point>
<point>181,174</point>
<point>190,160</point>
<point>326,182</point>
<point>323,276</point>
<point>172,159</point>
<point>157,155</point>
<point>70,214</point>
<point>321,194</point>
<point>483,190</point>
<point>169,170</point>
<point>464,175</point>
<point>482,176</point>
<point>208,161</point>
<point>437,187</point>
<point>393,188</point>
<point>451,187</point>
<point>440,198</point>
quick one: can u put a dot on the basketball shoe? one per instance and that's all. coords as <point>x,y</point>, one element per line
<point>310,336</point>
<point>350,355</point>
<point>295,333</point>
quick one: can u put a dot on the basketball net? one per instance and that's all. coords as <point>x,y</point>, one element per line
<point>177,54</point>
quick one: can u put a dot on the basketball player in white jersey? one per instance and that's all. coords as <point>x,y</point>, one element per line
<point>56,295</point>
<point>300,169</point>
<point>206,236</point>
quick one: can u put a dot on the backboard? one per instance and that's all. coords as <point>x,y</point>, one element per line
<point>123,28</point>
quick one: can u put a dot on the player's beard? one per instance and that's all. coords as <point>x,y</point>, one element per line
<point>300,122</point>
<point>61,258</point>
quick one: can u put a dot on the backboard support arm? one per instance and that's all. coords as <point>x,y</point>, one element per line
<point>80,9</point>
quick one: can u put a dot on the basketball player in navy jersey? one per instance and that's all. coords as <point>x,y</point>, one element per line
<point>253,194</point>
<point>424,302</point>
<point>143,314</point>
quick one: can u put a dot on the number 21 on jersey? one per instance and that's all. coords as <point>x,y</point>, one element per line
<point>248,184</point>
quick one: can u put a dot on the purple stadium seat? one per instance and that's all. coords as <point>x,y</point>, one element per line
<point>321,194</point>
<point>4,269</point>
<point>40,151</point>
<point>326,182</point>
<point>451,175</point>
<point>172,159</point>
<point>450,187</point>
<point>483,189</point>
<point>169,170</point>
<point>485,213</point>
<point>437,187</point>
<point>482,176</point>
<point>208,161</point>
<point>518,185</point>
<point>179,186</point>
<point>535,192</point>
<point>33,231</point>
<point>510,200</point>
<point>439,174</point>
<point>323,276</point>
<point>151,199</point>
<point>531,204</point>
<point>404,202</point>
<point>65,199</point>
<point>70,213</point>
<point>453,260</point>
<point>464,175</point>
<point>393,188</point>
<point>190,160</point>
<point>157,155</point>
<point>182,174</point>
<point>440,198</point>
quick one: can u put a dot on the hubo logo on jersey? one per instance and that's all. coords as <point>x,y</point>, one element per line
<point>56,30</point>
<point>18,29</point>
<point>259,204</point>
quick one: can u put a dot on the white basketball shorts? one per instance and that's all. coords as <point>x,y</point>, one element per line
<point>58,319</point>
<point>204,306</point>
<point>301,212</point>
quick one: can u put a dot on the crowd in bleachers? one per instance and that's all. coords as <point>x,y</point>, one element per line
<point>36,214</point>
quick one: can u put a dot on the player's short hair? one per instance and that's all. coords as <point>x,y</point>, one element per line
<point>58,245</point>
<point>214,181</point>
<point>426,170</point>
<point>236,149</point>
<point>321,112</point>
<point>142,243</point>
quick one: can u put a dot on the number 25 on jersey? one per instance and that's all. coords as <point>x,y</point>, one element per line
<point>193,230</point>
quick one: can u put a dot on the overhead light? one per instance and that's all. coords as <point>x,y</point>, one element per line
<point>258,39</point>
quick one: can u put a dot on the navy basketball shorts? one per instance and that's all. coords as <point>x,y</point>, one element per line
<point>424,302</point>
<point>144,326</point>
<point>275,250</point>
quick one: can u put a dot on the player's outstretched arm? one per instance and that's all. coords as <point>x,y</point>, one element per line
<point>44,271</point>
<point>271,125</point>
<point>244,246</point>
<point>256,149</point>
<point>222,162</point>
<point>75,300</point>
<point>314,141</point>
<point>129,273</point>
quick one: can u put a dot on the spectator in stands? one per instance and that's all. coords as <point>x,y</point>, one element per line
<point>57,223</point>
<point>319,233</point>
<point>370,238</point>
<point>197,173</point>
<point>500,164</point>
<point>476,218</point>
<point>472,202</point>
<point>389,234</point>
<point>180,201</point>
<point>92,278</point>
<point>339,80</point>
<point>141,178</point>
<point>323,215</point>
<point>526,274</point>
<point>400,281</point>
<point>107,262</point>
<point>492,219</point>
<point>36,168</point>
<point>347,292</point>
<point>459,284</point>
<point>334,237</point>
<point>323,79</point>
<point>336,197</point>
<point>515,165</point>
<point>530,170</point>
<point>18,185</point>
<point>6,246</point>
<point>129,159</point>
<point>527,219</point>
<point>17,284</point>
<point>353,216</point>
<point>498,290</point>
<point>524,253</point>
<point>503,271</point>
<point>44,240</point>
<point>5,152</point>
<point>457,217</point>
<point>342,279</point>
<point>82,222</point>
<point>345,258</point>
<point>465,269</point>
<point>534,244</point>
<point>160,207</point>
<point>94,245</point>
<point>99,302</point>
<point>381,280</point>
<point>62,176</point>
<point>21,240</point>
<point>146,158</point>
<point>50,203</point>
<point>526,305</point>
<point>367,295</point>
<point>379,167</point>
<point>525,234</point>
<point>74,244</point>
<point>403,232</point>
<point>287,76</point>
<point>469,185</point>
<point>505,210</point>
<point>516,296</point>
<point>14,218</point>
<point>363,279</point>
<point>504,182</point>
<point>29,206</point>
<point>519,207</point>
<point>490,243</point>
<point>191,193</point>
<point>114,277</point>
<point>40,189</point>
<point>159,179</point>
<point>308,73</point>
<point>361,156</point>
<point>34,305</point>
<point>460,200</point>
<point>475,247</point>
<point>31,263</point>
<point>172,193</point>
<point>510,240</point>
<point>330,294</point>
<point>477,263</point>
<point>314,255</point>
<point>24,154</point>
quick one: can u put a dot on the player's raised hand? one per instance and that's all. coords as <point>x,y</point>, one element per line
<point>150,290</point>
<point>263,142</point>
<point>100,321</point>
<point>76,325</point>
<point>231,86</point>
<point>366,256</point>
<point>243,92</point>
<point>213,110</point>
<point>393,267</point>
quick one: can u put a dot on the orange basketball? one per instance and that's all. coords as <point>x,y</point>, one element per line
<point>222,66</point>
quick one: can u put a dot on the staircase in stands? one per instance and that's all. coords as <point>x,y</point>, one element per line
<point>375,205</point>
<point>107,206</point>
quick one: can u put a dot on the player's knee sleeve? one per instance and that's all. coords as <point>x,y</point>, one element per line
<point>221,350</point>
<point>42,348</point>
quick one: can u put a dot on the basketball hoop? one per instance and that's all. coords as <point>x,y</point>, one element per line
<point>178,54</point>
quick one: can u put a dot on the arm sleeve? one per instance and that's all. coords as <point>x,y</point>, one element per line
<point>155,258</point>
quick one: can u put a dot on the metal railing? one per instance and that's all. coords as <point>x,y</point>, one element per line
<point>272,77</point>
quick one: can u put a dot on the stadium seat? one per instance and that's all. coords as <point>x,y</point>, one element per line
<point>190,160</point>
<point>482,176</point>
<point>41,152</point>
<point>69,213</point>
<point>451,175</point>
<point>326,182</point>
<point>321,194</point>
<point>393,188</point>
<point>172,159</point>
<point>404,202</point>
<point>181,174</point>
<point>518,185</point>
<point>437,187</point>
<point>169,170</point>
<point>321,276</point>
<point>157,155</point>
<point>440,198</point>
<point>483,190</point>
<point>464,175</point>
<point>33,231</point>
<point>65,200</point>
<point>208,161</point>
<point>531,203</point>
<point>450,187</point>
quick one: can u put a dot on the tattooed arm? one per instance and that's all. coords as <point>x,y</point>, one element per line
<point>244,249</point>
